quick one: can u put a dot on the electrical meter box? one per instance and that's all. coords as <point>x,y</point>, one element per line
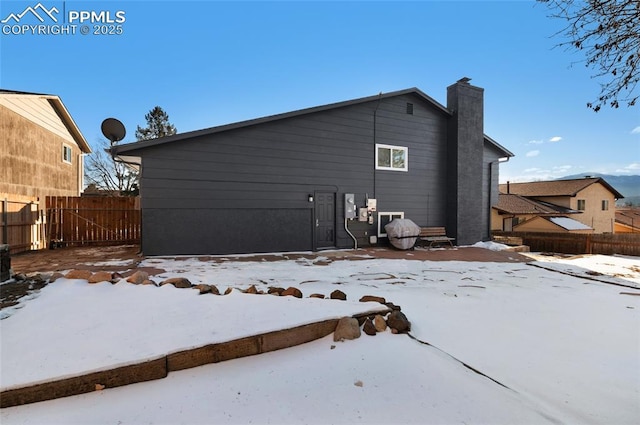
<point>350,206</point>
<point>372,205</point>
<point>363,214</point>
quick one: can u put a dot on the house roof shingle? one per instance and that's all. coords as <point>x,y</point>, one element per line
<point>629,217</point>
<point>516,204</point>
<point>555,187</point>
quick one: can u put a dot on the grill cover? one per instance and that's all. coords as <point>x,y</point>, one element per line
<point>402,233</point>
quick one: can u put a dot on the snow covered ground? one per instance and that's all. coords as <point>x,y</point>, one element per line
<point>565,347</point>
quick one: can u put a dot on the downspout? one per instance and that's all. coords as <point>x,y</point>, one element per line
<point>491,165</point>
<point>346,228</point>
<point>375,140</point>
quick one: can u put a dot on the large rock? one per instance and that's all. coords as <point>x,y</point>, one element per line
<point>79,274</point>
<point>347,328</point>
<point>252,290</point>
<point>380,323</point>
<point>291,291</point>
<point>55,276</point>
<point>202,288</point>
<point>371,298</point>
<point>338,295</point>
<point>275,290</point>
<point>369,328</point>
<point>178,282</point>
<point>398,321</point>
<point>138,277</point>
<point>101,277</point>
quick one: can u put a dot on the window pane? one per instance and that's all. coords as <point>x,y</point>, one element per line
<point>384,157</point>
<point>398,158</point>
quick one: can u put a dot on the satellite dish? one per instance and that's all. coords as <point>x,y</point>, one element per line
<point>113,130</point>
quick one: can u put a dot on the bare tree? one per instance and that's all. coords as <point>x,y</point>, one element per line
<point>608,33</point>
<point>115,177</point>
<point>112,177</point>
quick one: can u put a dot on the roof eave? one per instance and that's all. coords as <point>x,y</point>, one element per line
<point>68,121</point>
<point>226,127</point>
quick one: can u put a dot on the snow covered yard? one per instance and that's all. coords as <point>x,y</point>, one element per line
<point>565,347</point>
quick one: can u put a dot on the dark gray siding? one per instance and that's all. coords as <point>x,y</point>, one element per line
<point>490,178</point>
<point>246,189</point>
<point>421,192</point>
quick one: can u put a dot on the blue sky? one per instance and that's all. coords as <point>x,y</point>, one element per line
<point>209,63</point>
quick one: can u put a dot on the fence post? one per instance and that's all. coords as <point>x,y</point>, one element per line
<point>588,244</point>
<point>5,219</point>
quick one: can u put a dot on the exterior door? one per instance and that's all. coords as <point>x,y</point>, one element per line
<point>325,232</point>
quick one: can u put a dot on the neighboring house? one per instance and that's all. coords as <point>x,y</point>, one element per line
<point>594,198</point>
<point>41,147</point>
<point>627,220</point>
<point>552,224</point>
<point>282,183</point>
<point>512,210</point>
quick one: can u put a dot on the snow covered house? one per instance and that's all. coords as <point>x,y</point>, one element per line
<point>325,177</point>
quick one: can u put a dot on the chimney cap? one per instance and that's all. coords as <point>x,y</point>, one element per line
<point>464,80</point>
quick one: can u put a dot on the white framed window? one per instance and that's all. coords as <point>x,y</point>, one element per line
<point>385,218</point>
<point>392,158</point>
<point>605,204</point>
<point>582,204</point>
<point>66,154</point>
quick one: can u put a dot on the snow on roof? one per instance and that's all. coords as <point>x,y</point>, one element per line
<point>569,223</point>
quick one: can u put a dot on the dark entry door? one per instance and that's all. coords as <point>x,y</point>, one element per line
<point>325,220</point>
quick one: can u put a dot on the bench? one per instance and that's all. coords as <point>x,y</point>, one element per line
<point>435,235</point>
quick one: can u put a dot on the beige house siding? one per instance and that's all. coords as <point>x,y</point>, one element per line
<point>593,215</point>
<point>497,219</point>
<point>539,224</point>
<point>31,151</point>
<point>39,111</point>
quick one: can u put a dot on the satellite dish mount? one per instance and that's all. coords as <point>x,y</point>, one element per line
<point>113,130</point>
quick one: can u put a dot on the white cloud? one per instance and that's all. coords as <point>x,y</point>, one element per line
<point>636,130</point>
<point>633,167</point>
<point>562,168</point>
<point>532,153</point>
<point>536,142</point>
<point>555,139</point>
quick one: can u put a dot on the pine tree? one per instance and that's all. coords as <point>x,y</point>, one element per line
<point>158,125</point>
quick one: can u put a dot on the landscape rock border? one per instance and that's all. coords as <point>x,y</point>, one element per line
<point>159,367</point>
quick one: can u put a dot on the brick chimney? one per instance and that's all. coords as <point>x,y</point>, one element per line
<point>465,153</point>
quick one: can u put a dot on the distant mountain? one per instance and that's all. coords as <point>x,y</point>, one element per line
<point>629,186</point>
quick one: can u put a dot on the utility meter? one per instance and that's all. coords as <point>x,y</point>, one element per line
<point>350,206</point>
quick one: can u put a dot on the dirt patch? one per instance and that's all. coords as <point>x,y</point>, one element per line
<point>108,258</point>
<point>124,258</point>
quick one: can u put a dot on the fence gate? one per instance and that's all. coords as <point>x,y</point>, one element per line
<point>78,221</point>
<point>22,223</point>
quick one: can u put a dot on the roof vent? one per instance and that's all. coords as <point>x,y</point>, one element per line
<point>409,108</point>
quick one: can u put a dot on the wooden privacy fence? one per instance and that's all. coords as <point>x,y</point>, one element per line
<point>77,221</point>
<point>22,223</point>
<point>568,243</point>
